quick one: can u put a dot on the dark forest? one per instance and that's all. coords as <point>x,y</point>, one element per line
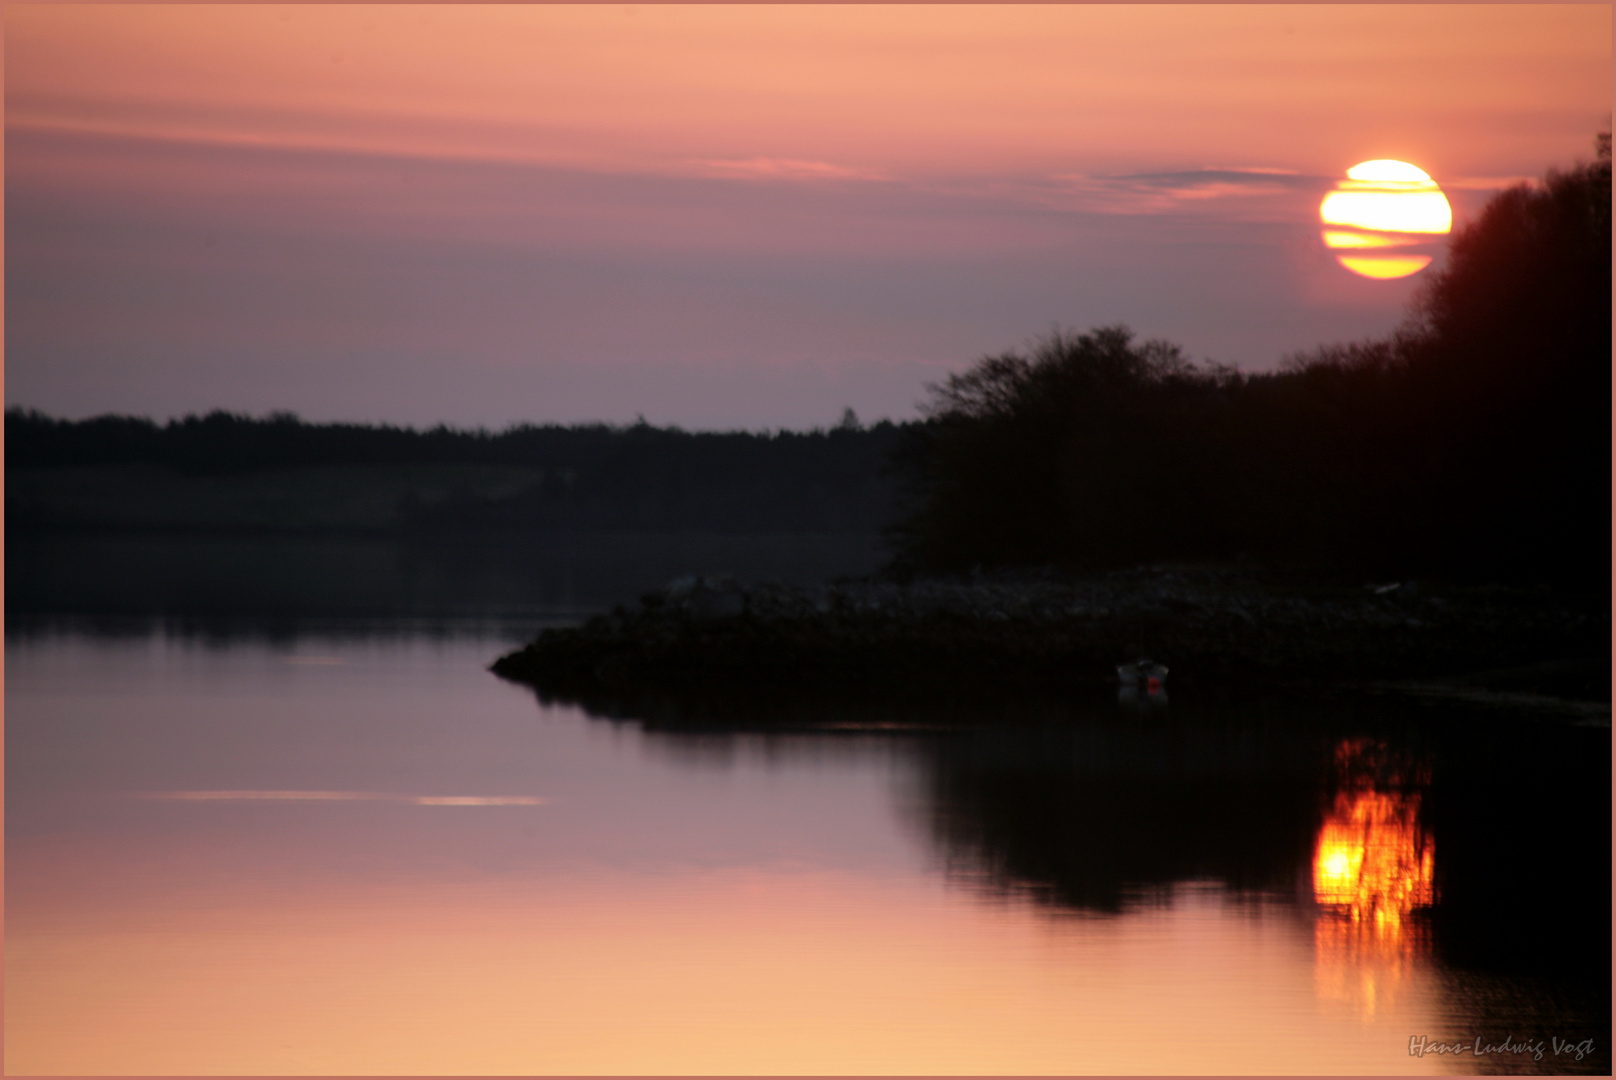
<point>445,481</point>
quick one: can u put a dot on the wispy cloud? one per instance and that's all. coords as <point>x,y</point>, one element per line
<point>386,137</point>
<point>343,796</point>
<point>382,136</point>
<point>773,168</point>
<point>1247,194</point>
<point>1179,190</point>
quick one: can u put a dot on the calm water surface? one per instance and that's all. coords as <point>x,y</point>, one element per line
<point>347,848</point>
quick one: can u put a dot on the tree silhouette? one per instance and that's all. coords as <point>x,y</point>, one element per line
<point>1472,443</point>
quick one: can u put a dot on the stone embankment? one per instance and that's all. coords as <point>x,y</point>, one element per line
<point>1210,626</point>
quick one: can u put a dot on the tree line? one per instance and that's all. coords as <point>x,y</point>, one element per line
<point>593,475</point>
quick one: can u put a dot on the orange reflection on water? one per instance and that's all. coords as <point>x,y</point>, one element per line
<point>1372,866</point>
<point>1373,861</point>
<point>1365,964</point>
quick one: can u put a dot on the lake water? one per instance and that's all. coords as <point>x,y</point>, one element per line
<point>317,843</point>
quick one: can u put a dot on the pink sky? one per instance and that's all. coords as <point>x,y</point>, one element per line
<point>726,216</point>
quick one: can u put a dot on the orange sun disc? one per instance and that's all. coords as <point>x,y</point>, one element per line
<point>1384,204</point>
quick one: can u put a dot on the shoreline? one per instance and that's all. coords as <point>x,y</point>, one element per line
<point>1215,628</point>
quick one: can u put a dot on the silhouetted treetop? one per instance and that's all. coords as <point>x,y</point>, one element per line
<point>1532,270</point>
<point>1065,370</point>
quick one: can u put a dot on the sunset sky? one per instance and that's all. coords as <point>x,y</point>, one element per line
<point>717,217</point>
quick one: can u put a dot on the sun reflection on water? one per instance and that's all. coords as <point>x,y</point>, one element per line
<point>1373,866</point>
<point>1373,861</point>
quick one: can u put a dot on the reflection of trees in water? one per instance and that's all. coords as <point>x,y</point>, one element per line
<point>1095,808</point>
<point>1477,842</point>
<point>1084,815</point>
<point>1092,807</point>
<point>1521,820</point>
<point>1079,803</point>
<point>1085,805</point>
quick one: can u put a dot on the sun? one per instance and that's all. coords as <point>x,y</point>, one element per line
<point>1384,204</point>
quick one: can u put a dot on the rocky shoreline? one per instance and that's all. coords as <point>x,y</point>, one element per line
<point>1213,627</point>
